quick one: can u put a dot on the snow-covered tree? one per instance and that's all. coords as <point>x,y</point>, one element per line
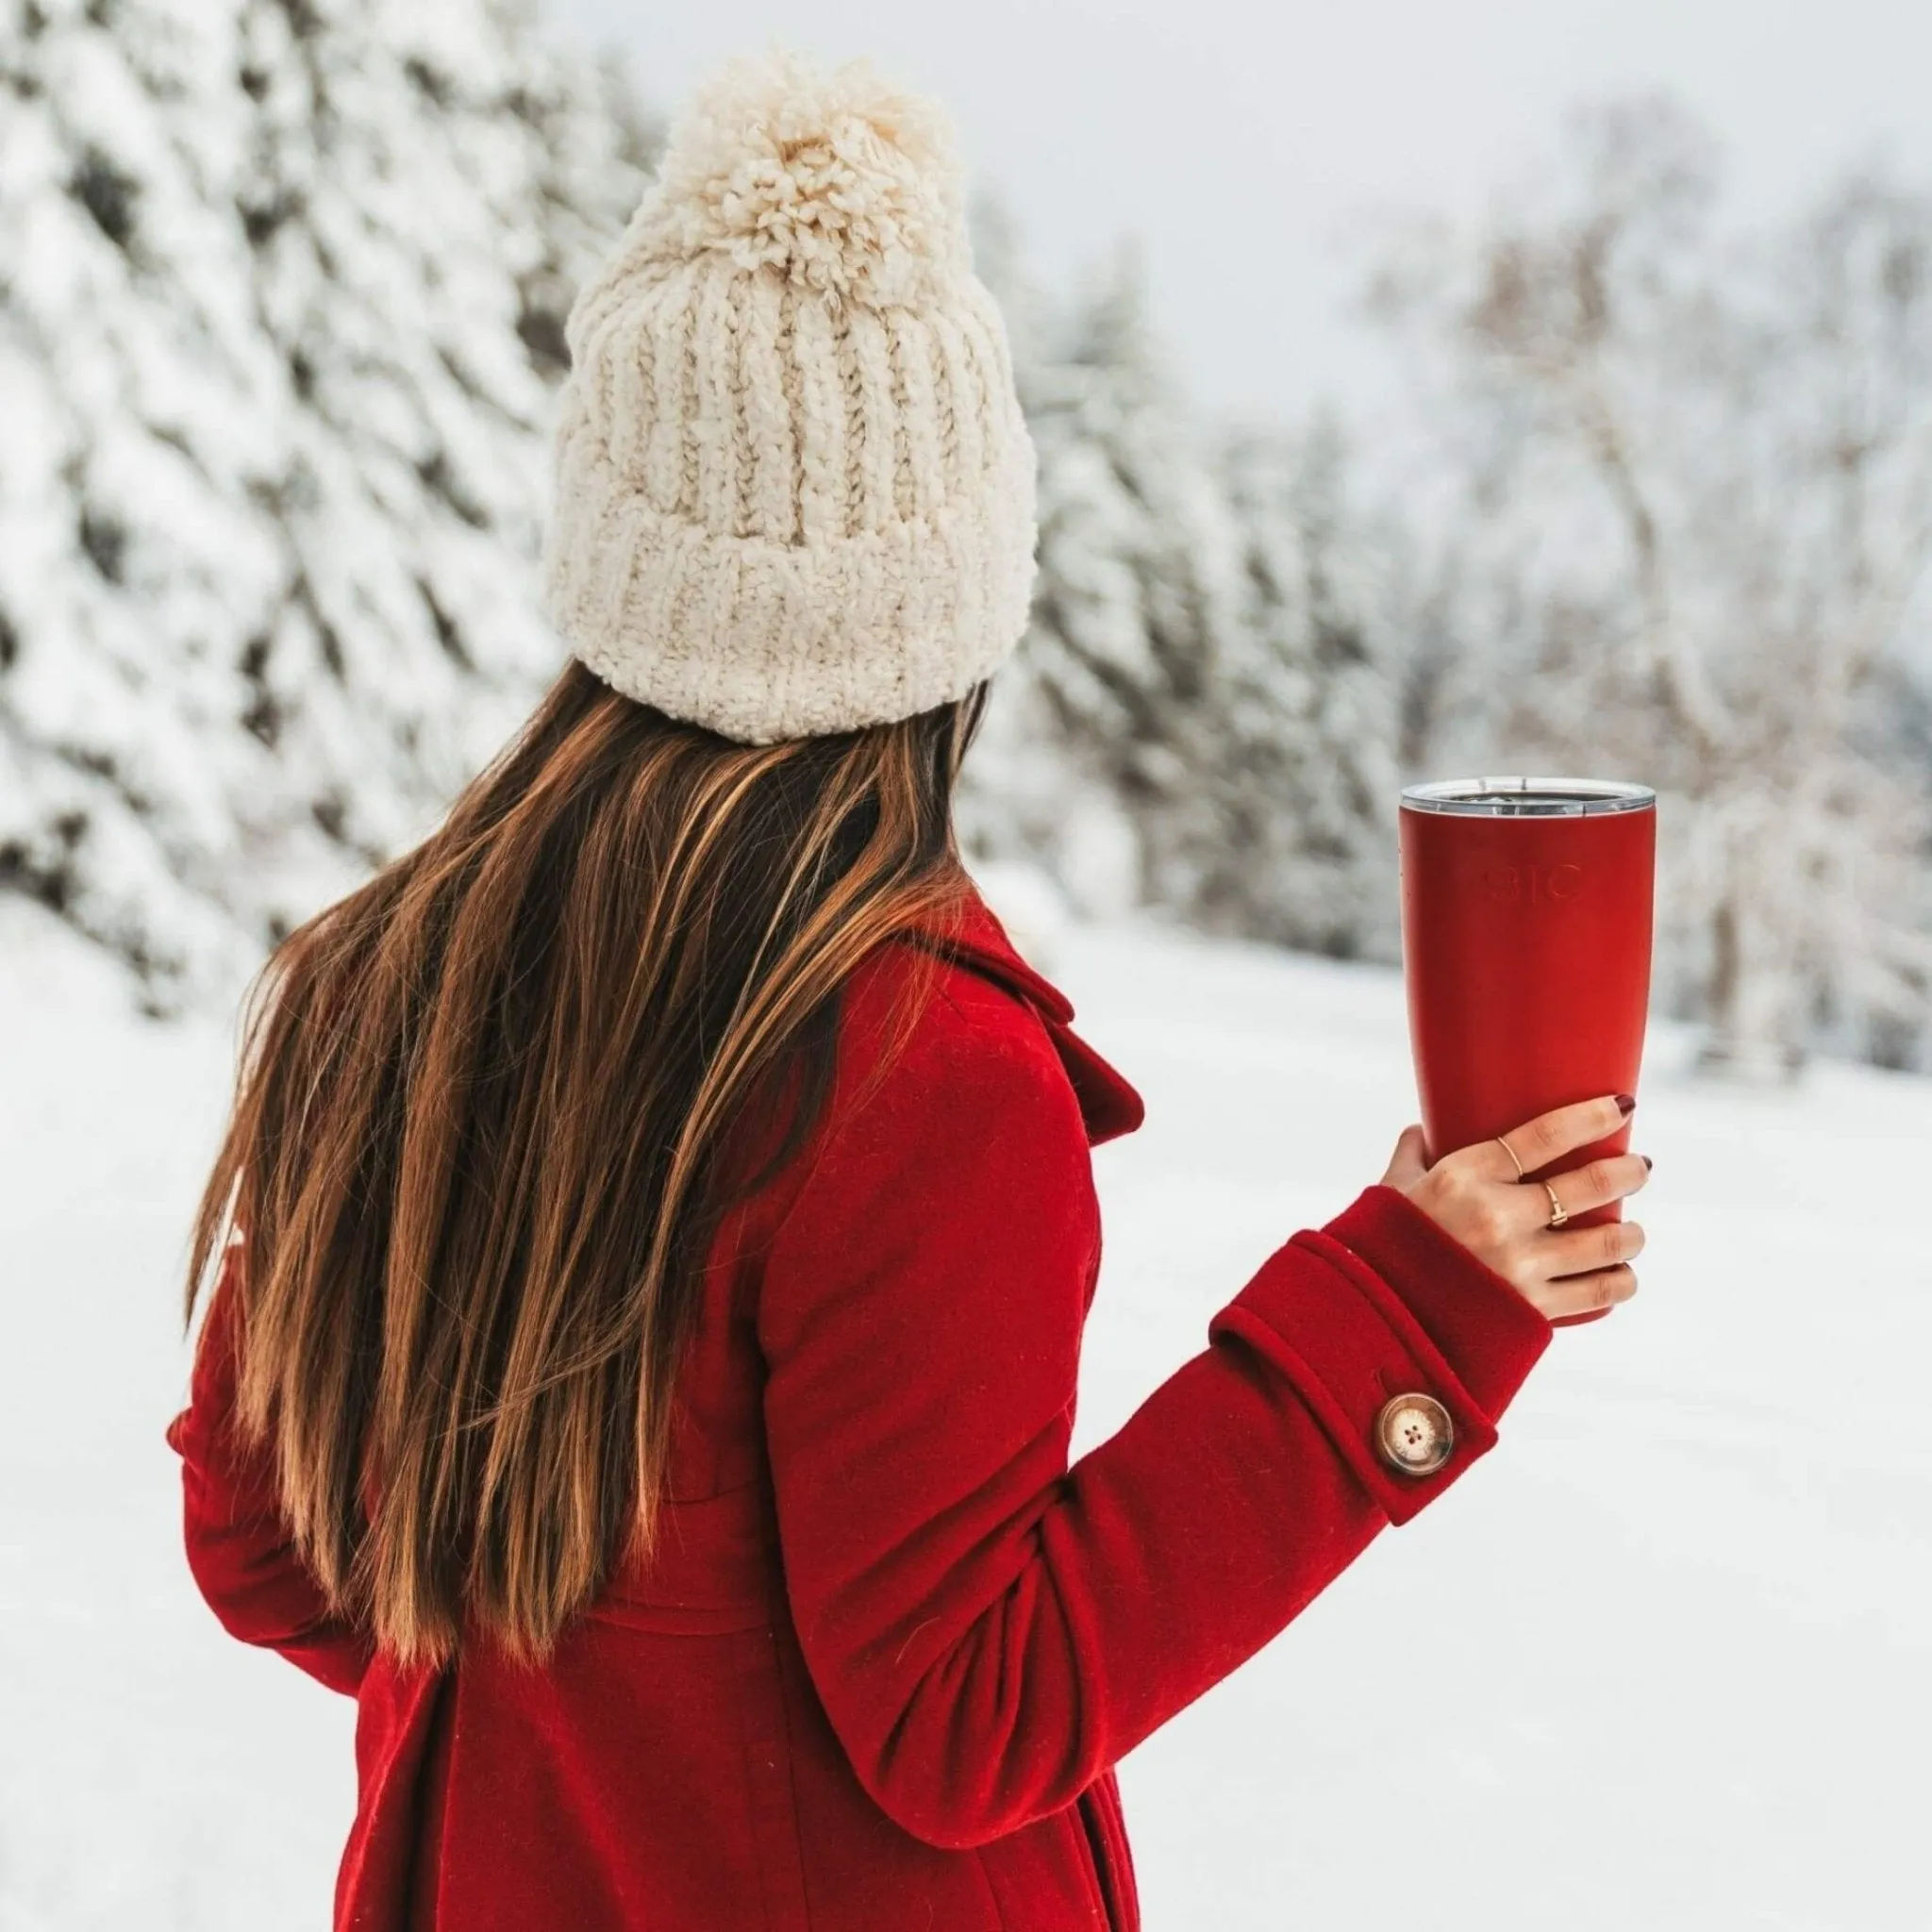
<point>1200,717</point>
<point>1038,787</point>
<point>1695,518</point>
<point>1097,721</point>
<point>396,203</point>
<point>1305,711</point>
<point>282,300</point>
<point>142,405</point>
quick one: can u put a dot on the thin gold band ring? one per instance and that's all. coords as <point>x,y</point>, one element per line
<point>1558,1213</point>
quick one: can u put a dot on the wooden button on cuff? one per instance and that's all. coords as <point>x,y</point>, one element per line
<point>1414,1434</point>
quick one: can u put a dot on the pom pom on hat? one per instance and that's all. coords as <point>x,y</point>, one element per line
<point>839,179</point>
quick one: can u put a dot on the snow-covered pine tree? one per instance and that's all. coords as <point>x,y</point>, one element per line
<point>410,170</point>
<point>1202,716</point>
<point>1306,709</point>
<point>597,138</point>
<point>281,283</point>
<point>1037,788</point>
<point>142,407</point>
<point>1099,732</point>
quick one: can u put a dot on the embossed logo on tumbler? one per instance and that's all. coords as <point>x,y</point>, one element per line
<point>1527,907</point>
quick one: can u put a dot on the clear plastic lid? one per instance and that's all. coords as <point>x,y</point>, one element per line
<point>1529,797</point>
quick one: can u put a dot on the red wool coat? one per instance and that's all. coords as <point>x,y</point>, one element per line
<point>893,1646</point>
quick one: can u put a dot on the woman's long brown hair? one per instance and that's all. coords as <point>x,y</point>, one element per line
<point>481,1140</point>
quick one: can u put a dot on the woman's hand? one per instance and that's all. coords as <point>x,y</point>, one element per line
<point>1474,1194</point>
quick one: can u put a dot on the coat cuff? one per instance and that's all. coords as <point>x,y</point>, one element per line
<point>1350,1336</point>
<point>1489,1334</point>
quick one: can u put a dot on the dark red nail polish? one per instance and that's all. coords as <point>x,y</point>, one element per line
<point>1647,1160</point>
<point>1626,1102</point>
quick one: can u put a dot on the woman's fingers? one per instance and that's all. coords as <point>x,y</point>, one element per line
<point>1477,1195</point>
<point>1562,1130</point>
<point>1594,1184</point>
<point>1577,1250</point>
<point>1579,1294</point>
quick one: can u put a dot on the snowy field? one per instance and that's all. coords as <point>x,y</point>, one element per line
<point>1663,1660</point>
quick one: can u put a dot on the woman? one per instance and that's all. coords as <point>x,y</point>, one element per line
<point>652,1240</point>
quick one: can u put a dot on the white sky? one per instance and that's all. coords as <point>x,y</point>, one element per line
<point>1245,140</point>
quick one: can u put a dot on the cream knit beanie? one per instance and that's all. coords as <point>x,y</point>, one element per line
<point>793,493</point>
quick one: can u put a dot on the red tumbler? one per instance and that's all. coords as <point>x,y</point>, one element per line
<point>1526,917</point>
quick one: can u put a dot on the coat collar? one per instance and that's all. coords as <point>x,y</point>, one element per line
<point>971,935</point>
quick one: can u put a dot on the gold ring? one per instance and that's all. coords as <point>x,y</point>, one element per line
<point>1559,1213</point>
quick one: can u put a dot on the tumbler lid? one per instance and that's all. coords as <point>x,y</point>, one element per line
<point>1520,797</point>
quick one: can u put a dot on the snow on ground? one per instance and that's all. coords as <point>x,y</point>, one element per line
<point>1661,1661</point>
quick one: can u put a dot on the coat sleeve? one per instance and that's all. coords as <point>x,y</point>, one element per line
<point>988,1628</point>
<point>240,1549</point>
